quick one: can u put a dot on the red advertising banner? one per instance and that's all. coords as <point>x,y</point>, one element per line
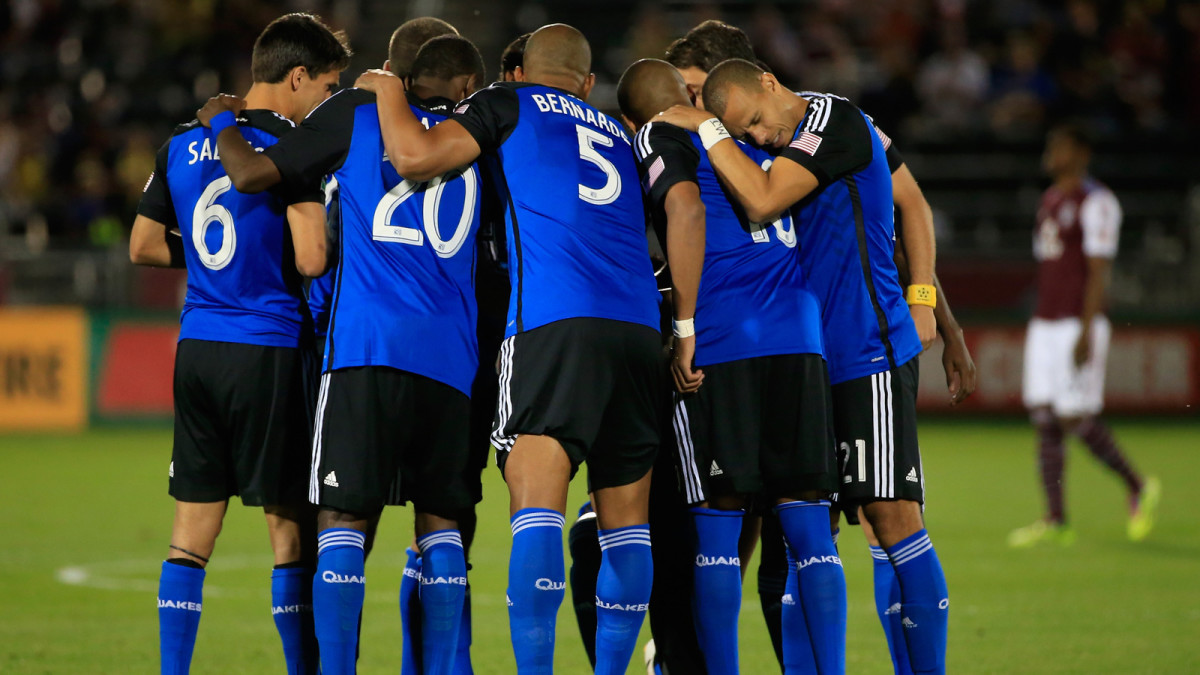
<point>1150,370</point>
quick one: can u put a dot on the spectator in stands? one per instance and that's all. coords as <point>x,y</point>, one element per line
<point>1021,91</point>
<point>952,83</point>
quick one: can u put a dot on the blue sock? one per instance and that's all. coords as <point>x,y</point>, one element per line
<point>180,591</point>
<point>925,602</point>
<point>537,582</point>
<point>623,594</point>
<point>887,606</point>
<point>291,606</point>
<point>462,662</point>
<point>443,585</point>
<point>798,657</point>
<point>410,614</point>
<point>338,590</point>
<point>820,579</point>
<point>717,587</point>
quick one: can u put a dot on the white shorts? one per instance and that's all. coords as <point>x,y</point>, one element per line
<point>1051,378</point>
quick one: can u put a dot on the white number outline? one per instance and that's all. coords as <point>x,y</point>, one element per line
<point>611,189</point>
<point>786,235</point>
<point>206,212</point>
<point>383,230</point>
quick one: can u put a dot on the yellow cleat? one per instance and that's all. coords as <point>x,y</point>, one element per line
<point>1041,532</point>
<point>1141,515</point>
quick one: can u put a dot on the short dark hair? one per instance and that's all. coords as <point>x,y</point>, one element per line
<point>1076,132</point>
<point>686,53</point>
<point>446,57</point>
<point>738,72</point>
<point>513,56</point>
<point>407,40</point>
<point>295,40</point>
<point>708,44</point>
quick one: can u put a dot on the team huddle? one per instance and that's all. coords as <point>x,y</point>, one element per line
<point>506,267</point>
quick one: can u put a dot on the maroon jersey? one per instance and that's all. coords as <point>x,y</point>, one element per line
<point>1072,226</point>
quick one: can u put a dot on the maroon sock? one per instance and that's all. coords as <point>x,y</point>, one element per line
<point>1099,439</point>
<point>1050,459</point>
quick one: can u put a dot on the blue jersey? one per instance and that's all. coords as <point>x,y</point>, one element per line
<point>575,220</point>
<point>403,295</point>
<point>753,298</point>
<point>320,291</point>
<point>242,283</point>
<point>848,240</point>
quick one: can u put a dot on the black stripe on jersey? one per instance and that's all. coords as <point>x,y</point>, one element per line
<point>337,292</point>
<point>864,258</point>
<point>520,261</point>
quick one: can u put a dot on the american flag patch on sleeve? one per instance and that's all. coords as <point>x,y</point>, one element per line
<point>148,182</point>
<point>807,142</point>
<point>462,109</point>
<point>883,138</point>
<point>655,170</point>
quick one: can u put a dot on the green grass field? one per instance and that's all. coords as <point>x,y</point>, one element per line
<point>87,519</point>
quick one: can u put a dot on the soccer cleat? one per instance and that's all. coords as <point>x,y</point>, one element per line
<point>1039,532</point>
<point>1142,507</point>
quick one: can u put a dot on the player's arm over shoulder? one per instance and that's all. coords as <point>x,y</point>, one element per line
<point>478,124</point>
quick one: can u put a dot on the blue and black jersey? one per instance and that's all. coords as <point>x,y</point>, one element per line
<point>753,299</point>
<point>403,295</point>
<point>848,239</point>
<point>242,283</point>
<point>575,219</point>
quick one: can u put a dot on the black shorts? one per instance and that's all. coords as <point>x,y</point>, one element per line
<point>386,437</point>
<point>594,385</point>
<point>759,425</point>
<point>241,424</point>
<point>875,421</point>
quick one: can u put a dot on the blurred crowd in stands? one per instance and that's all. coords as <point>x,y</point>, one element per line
<point>89,89</point>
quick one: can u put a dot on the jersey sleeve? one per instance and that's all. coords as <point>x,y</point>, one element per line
<point>317,147</point>
<point>156,201</point>
<point>489,115</point>
<point>894,159</point>
<point>666,156</point>
<point>1100,219</point>
<point>833,141</point>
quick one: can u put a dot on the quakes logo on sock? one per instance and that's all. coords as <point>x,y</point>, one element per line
<point>818,560</point>
<point>179,604</point>
<point>708,560</point>
<point>640,607</point>
<point>331,577</point>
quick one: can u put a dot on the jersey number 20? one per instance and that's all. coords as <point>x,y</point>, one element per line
<point>382,228</point>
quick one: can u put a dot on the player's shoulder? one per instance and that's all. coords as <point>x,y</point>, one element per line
<point>1095,188</point>
<point>266,120</point>
<point>655,136</point>
<point>435,105</point>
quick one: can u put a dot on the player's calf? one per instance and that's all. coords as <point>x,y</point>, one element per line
<point>181,581</point>
<point>820,581</point>
<point>338,588</point>
<point>626,572</point>
<point>443,589</point>
<point>292,584</point>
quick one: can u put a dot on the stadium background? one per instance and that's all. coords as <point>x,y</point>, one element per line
<point>90,88</point>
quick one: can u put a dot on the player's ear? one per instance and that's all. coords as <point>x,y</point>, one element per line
<point>296,77</point>
<point>629,123</point>
<point>586,89</point>
<point>387,65</point>
<point>768,81</point>
<point>470,84</point>
<point>518,74</point>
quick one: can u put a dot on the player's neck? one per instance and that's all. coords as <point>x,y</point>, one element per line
<point>273,97</point>
<point>797,108</point>
<point>425,89</point>
<point>1069,180</point>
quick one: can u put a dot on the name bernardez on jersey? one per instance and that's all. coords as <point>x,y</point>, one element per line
<point>575,218</point>
<point>848,240</point>
<point>403,295</point>
<point>753,298</point>
<point>242,283</point>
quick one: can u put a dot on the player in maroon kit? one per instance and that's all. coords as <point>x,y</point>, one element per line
<point>1066,347</point>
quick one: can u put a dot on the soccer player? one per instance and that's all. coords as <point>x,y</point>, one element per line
<point>702,48</point>
<point>832,172</point>
<point>579,365</point>
<point>755,420</point>
<point>512,58</point>
<point>239,405</point>
<point>401,353</point>
<point>1066,346</point>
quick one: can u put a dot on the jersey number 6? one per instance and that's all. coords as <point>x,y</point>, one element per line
<point>382,228</point>
<point>208,211</point>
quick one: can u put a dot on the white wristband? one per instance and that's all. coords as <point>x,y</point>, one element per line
<point>684,329</point>
<point>712,132</point>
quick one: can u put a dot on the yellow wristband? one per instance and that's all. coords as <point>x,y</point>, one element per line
<point>922,294</point>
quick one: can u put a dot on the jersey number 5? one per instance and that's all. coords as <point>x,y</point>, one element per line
<point>608,193</point>
<point>382,228</point>
<point>208,211</point>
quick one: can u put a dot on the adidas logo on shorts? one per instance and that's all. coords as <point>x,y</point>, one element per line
<point>331,479</point>
<point>912,476</point>
<point>715,470</point>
